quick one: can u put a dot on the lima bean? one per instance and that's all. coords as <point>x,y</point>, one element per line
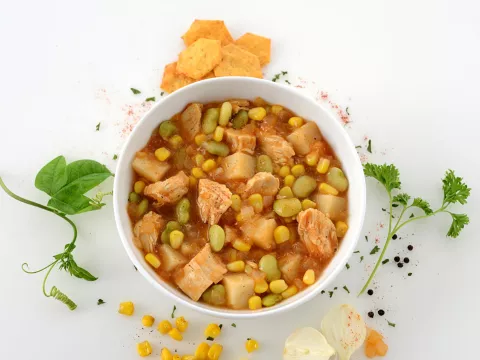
<point>268,264</point>
<point>134,197</point>
<point>210,120</point>
<point>240,120</point>
<point>216,236</point>
<point>216,148</point>
<point>142,207</point>
<point>183,211</point>
<point>304,186</point>
<point>171,225</point>
<point>287,207</point>
<point>337,179</point>
<point>167,129</point>
<point>271,300</point>
<point>264,164</point>
<point>225,113</point>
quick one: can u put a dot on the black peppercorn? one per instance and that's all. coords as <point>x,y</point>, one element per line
<point>370,292</point>
<point>400,265</point>
<point>371,314</point>
<point>381,312</point>
<point>394,237</point>
<point>410,247</point>
<point>406,260</point>
<point>396,258</point>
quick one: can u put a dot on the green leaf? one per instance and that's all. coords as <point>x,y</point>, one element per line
<point>454,189</point>
<point>387,175</point>
<point>458,223</point>
<point>80,272</point>
<point>422,204</point>
<point>135,91</point>
<point>150,99</point>
<point>53,176</point>
<point>70,204</point>
<point>401,199</point>
<point>374,250</point>
<point>369,147</point>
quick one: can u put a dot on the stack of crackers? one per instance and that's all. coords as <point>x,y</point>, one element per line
<point>212,52</point>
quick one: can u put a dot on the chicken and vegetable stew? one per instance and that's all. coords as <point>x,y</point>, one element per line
<point>239,204</point>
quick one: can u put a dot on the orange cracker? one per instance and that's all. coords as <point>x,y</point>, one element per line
<point>210,75</point>
<point>172,80</point>
<point>209,29</point>
<point>238,62</point>
<point>257,45</point>
<point>200,58</point>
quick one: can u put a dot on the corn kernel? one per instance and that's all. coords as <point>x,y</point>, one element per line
<point>289,180</point>
<point>166,354</point>
<point>198,173</point>
<point>148,320</point>
<point>256,201</point>
<point>164,327</point>
<point>236,202</point>
<point>182,324</point>
<point>323,165</point>
<point>312,158</point>
<point>215,352</point>
<point>255,303</point>
<point>298,170</point>
<point>144,348</point>
<point>285,193</point>
<point>284,171</point>
<point>202,351</point>
<point>138,187</point>
<point>176,141</point>
<point>175,334</point>
<point>251,345</point>
<point>260,286</point>
<point>327,189</point>
<point>239,217</point>
<point>212,330</point>
<point>193,181</point>
<point>308,204</point>
<point>236,266</point>
<point>177,357</point>
<point>176,239</point>
<point>309,277</point>
<point>199,160</point>
<point>188,357</point>
<point>295,121</point>
<point>241,245</point>
<point>257,113</point>
<point>200,139</point>
<point>276,109</point>
<point>218,134</point>
<point>281,234</point>
<point>162,154</point>
<point>126,308</point>
<point>292,290</point>
<point>341,228</point>
<point>153,260</point>
<point>209,165</point>
<point>278,286</point>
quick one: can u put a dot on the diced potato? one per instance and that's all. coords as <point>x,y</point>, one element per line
<point>289,266</point>
<point>239,288</point>
<point>330,205</point>
<point>303,138</point>
<point>190,120</point>
<point>147,166</point>
<point>260,231</point>
<point>170,258</point>
<point>239,166</point>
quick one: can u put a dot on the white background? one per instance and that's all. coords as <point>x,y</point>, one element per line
<point>407,70</point>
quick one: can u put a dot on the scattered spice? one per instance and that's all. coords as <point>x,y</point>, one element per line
<point>347,265</point>
<point>277,76</point>
<point>322,292</point>
<point>346,289</point>
<point>396,258</point>
<point>406,260</point>
<point>234,325</point>
<point>97,127</point>
<point>330,293</point>
<point>210,338</point>
<point>371,314</point>
<point>115,157</point>
<point>410,247</point>
<point>173,311</point>
<point>220,326</point>
<point>369,147</point>
<point>374,250</point>
<point>370,292</point>
<point>385,261</point>
<point>100,302</point>
<point>381,312</point>
<point>411,216</point>
<point>409,274</point>
<point>150,98</point>
<point>335,288</point>
<point>361,258</point>
<point>400,265</point>
<point>161,94</point>
<point>135,268</point>
<point>346,110</point>
<point>288,82</point>
<point>358,147</point>
<point>249,338</point>
<point>356,252</point>
<point>391,324</point>
<point>135,91</point>
<point>366,238</point>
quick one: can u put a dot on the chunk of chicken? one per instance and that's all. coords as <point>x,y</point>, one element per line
<point>147,230</point>
<point>146,165</point>
<point>318,233</point>
<point>231,234</point>
<point>190,120</point>
<point>238,105</point>
<point>171,258</point>
<point>260,231</point>
<point>277,148</point>
<point>239,166</point>
<point>213,200</point>
<point>201,272</point>
<point>238,288</point>
<point>304,137</point>
<point>168,191</point>
<point>239,140</point>
<point>262,183</point>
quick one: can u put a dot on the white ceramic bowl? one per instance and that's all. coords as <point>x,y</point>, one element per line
<point>243,88</point>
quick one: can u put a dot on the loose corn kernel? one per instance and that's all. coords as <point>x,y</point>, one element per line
<point>292,290</point>
<point>148,320</point>
<point>323,165</point>
<point>276,109</point>
<point>281,234</point>
<point>298,170</point>
<point>255,303</point>
<point>177,357</point>
<point>295,121</point>
<point>309,277</point>
<point>215,352</point>
<point>188,357</point>
<point>285,193</point>
<point>218,134</point>
<point>199,159</point>
<point>176,239</point>
<point>182,324</point>
<point>209,165</point>
<point>241,245</point>
<point>164,327</point>
<point>236,266</point>
<point>257,113</point>
<point>239,217</point>
<point>144,349</point>
<point>284,171</point>
<point>256,201</point>
<point>166,354</point>
<point>312,158</point>
<point>138,187</point>
<point>193,181</point>
<point>327,189</point>
<point>308,204</point>
<point>236,202</point>
<point>200,139</point>
<point>202,351</point>
<point>198,173</point>
<point>260,286</point>
<point>126,308</point>
<point>341,228</point>
<point>162,154</point>
<point>278,286</point>
<point>175,141</point>
<point>175,334</point>
<point>212,330</point>
<point>153,260</point>
<point>289,180</point>
<point>251,345</point>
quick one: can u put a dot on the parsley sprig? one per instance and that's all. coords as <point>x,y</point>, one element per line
<point>454,191</point>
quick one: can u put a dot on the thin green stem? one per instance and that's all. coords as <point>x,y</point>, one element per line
<point>391,209</point>
<point>442,209</point>
<point>400,217</point>
<point>37,271</point>
<point>46,277</point>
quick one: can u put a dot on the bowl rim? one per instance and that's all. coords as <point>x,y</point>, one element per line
<point>229,313</point>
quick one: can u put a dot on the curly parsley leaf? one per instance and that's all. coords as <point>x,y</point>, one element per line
<point>422,204</point>
<point>458,223</point>
<point>387,175</point>
<point>402,199</point>
<point>454,189</point>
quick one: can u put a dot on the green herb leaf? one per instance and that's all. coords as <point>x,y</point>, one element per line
<point>422,204</point>
<point>369,147</point>
<point>411,216</point>
<point>346,289</point>
<point>347,265</point>
<point>288,82</point>
<point>249,338</point>
<point>366,238</point>
<point>161,94</point>
<point>454,189</point>
<point>458,223</point>
<point>284,72</point>
<point>374,250</point>
<point>210,338</point>
<point>100,302</point>
<point>330,293</point>
<point>173,311</point>
<point>135,91</point>
<point>220,326</point>
<point>356,252</point>
<point>391,324</point>
<point>409,274</point>
<point>361,258</point>
<point>402,199</point>
<point>53,176</point>
<point>150,99</point>
<point>234,325</point>
<point>387,175</point>
<point>358,147</point>
<point>115,157</point>
<point>385,261</point>
<point>97,127</point>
